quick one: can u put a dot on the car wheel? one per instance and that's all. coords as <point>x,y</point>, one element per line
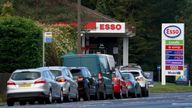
<point>31,102</point>
<point>10,102</point>
<point>139,92</point>
<point>126,94</point>
<point>61,98</point>
<point>22,102</point>
<point>112,96</point>
<point>49,100</point>
<point>86,96</point>
<point>97,95</point>
<point>103,95</point>
<point>77,98</point>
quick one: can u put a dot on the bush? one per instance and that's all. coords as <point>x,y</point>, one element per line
<point>20,43</point>
<point>64,41</point>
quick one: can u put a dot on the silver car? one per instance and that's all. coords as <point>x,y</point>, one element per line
<point>29,85</point>
<point>65,79</point>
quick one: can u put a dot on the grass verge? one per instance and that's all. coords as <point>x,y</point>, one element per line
<point>2,98</point>
<point>170,88</point>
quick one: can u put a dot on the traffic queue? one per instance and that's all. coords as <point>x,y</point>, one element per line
<point>84,76</point>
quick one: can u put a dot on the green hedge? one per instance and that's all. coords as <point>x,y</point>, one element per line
<point>20,43</point>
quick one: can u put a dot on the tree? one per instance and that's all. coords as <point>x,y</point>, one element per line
<point>7,8</point>
<point>20,44</point>
<point>64,41</point>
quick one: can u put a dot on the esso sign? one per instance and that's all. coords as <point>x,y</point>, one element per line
<point>172,31</point>
<point>110,26</point>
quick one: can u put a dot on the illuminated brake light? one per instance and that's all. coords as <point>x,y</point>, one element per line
<point>40,82</point>
<point>11,83</point>
<point>99,76</point>
<point>116,80</point>
<point>60,80</point>
<point>80,79</point>
<point>140,79</point>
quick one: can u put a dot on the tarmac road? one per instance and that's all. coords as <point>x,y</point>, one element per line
<point>156,100</point>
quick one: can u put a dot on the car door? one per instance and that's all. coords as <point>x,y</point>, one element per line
<point>72,83</point>
<point>91,81</point>
<point>106,73</point>
<point>55,86</point>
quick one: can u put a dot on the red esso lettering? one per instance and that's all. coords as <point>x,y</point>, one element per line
<point>102,27</point>
<point>118,27</point>
<point>173,31</point>
<point>107,27</point>
<point>110,27</point>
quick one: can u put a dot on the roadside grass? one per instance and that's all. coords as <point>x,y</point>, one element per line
<point>170,88</point>
<point>2,98</point>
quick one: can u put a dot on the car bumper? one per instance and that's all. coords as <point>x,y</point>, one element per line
<point>116,88</point>
<point>26,96</point>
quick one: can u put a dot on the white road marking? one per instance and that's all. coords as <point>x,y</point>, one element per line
<point>182,104</point>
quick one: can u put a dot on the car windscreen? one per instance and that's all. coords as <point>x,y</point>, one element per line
<point>25,75</point>
<point>76,72</point>
<point>56,73</point>
<point>128,76</point>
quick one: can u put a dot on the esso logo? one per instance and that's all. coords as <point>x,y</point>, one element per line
<point>110,26</point>
<point>172,31</point>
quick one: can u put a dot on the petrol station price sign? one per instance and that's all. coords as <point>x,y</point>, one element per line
<point>172,49</point>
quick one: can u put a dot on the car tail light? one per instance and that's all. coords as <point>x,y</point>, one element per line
<point>99,76</point>
<point>40,82</point>
<point>115,80</point>
<point>61,80</point>
<point>140,79</point>
<point>11,83</point>
<point>79,78</point>
<point>129,83</point>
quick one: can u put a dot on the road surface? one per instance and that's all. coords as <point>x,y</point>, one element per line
<point>156,100</point>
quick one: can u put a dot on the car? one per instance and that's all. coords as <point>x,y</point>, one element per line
<point>120,88</point>
<point>134,89</point>
<point>31,85</point>
<point>65,79</point>
<point>100,67</point>
<point>87,85</point>
<point>140,77</point>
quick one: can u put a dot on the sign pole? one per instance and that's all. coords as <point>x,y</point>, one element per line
<point>43,55</point>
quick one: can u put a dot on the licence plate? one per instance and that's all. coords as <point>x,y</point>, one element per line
<point>25,85</point>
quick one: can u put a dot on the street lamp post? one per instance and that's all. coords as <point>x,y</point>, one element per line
<point>79,27</point>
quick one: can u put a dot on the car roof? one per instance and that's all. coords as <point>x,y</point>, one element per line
<point>131,70</point>
<point>28,70</point>
<point>56,67</point>
<point>77,67</point>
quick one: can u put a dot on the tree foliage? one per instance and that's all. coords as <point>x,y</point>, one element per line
<point>147,16</point>
<point>20,44</point>
<point>64,41</point>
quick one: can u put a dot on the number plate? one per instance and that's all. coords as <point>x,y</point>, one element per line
<point>25,85</point>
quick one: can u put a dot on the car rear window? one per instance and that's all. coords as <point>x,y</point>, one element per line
<point>56,73</point>
<point>25,75</point>
<point>127,76</point>
<point>76,72</point>
<point>135,74</point>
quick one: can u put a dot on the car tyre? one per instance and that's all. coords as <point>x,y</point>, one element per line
<point>49,100</point>
<point>10,102</point>
<point>77,98</point>
<point>86,96</point>
<point>61,98</point>
<point>103,95</point>
<point>126,94</point>
<point>22,102</point>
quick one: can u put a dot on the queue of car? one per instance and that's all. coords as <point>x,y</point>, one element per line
<point>89,76</point>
